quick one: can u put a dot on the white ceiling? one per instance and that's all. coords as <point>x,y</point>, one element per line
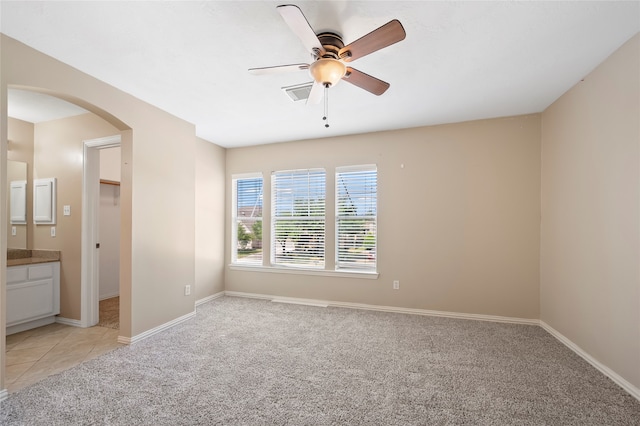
<point>460,60</point>
<point>36,107</point>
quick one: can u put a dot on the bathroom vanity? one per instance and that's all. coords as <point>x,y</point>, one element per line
<point>33,289</point>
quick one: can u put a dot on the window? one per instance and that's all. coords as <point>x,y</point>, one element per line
<point>247,220</point>
<point>298,218</point>
<point>356,217</point>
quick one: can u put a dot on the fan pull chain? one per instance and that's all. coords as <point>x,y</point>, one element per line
<point>326,105</point>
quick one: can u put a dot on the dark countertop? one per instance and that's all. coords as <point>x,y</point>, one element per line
<point>30,261</point>
<point>17,257</point>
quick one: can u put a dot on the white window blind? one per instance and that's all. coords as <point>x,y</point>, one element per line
<point>298,218</point>
<point>247,220</point>
<point>356,217</point>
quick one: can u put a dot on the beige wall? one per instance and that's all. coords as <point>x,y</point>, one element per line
<point>157,191</point>
<point>110,164</point>
<point>58,153</point>
<point>20,133</point>
<point>210,225</point>
<point>458,225</point>
<point>590,242</point>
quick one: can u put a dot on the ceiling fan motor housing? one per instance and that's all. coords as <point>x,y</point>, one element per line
<point>332,43</point>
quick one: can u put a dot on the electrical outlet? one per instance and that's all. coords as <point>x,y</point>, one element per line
<point>187,290</point>
<point>53,231</point>
<point>396,285</point>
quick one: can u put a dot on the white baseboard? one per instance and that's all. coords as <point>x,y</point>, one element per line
<point>248,295</point>
<point>620,381</point>
<point>4,394</point>
<point>109,296</point>
<point>428,312</point>
<point>305,302</point>
<point>68,321</point>
<point>395,309</point>
<point>209,298</point>
<point>30,324</point>
<point>155,330</point>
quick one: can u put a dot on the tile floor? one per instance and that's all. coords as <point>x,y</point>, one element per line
<point>35,354</point>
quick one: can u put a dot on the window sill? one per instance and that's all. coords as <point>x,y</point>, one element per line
<point>318,272</point>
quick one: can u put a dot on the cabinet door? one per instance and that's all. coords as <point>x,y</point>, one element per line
<point>30,300</point>
<point>16,274</point>
<point>18,201</point>
<point>44,201</point>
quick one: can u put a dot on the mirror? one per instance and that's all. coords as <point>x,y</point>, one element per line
<point>17,228</point>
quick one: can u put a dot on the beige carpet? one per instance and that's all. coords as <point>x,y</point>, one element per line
<point>110,313</point>
<point>253,362</point>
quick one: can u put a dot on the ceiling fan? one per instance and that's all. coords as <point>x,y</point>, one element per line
<point>331,56</point>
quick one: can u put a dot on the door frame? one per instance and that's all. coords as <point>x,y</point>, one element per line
<point>89,281</point>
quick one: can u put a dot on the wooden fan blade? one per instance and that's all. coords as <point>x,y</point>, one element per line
<point>296,20</point>
<point>279,69</point>
<point>315,96</point>
<point>388,34</point>
<point>365,81</point>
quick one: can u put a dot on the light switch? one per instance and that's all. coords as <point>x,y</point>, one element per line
<point>14,231</point>
<point>67,210</point>
<point>53,231</point>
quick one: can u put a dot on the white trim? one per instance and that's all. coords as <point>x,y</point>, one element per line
<point>302,271</point>
<point>68,321</point>
<point>4,394</point>
<point>89,311</point>
<point>102,143</point>
<point>619,380</point>
<point>251,175</point>
<point>155,330</point>
<point>395,309</point>
<point>13,329</point>
<point>209,298</point>
<point>294,301</point>
<point>358,168</point>
<point>110,295</point>
<point>248,295</point>
<point>427,312</point>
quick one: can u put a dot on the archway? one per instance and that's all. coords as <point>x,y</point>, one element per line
<point>85,320</point>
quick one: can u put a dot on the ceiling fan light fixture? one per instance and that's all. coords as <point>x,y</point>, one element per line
<point>327,71</point>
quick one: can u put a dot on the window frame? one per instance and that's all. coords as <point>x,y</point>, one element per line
<point>234,217</point>
<point>275,219</point>
<point>345,266</point>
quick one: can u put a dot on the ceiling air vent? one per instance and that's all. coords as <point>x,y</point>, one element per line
<point>299,92</point>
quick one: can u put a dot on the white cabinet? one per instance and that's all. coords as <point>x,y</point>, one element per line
<point>44,201</point>
<point>33,295</point>
<point>18,202</point>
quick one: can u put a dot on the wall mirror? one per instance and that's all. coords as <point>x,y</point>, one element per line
<point>17,224</point>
